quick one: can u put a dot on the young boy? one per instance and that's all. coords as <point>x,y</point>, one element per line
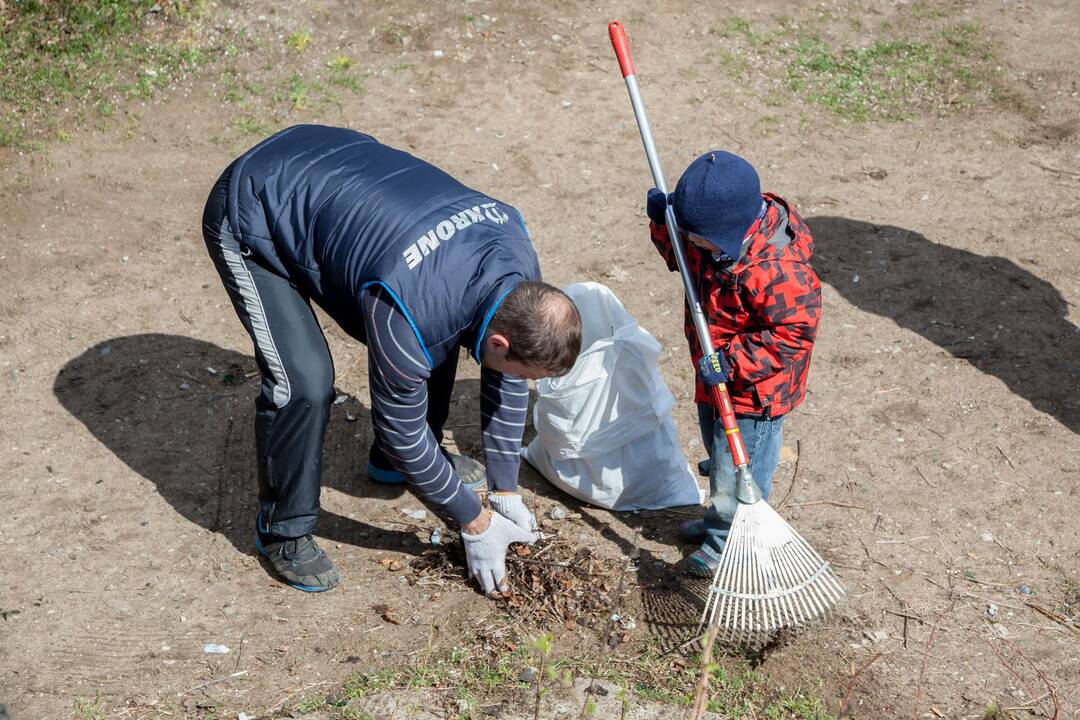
<point>749,257</point>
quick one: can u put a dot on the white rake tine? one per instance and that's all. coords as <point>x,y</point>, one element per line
<point>818,587</point>
<point>764,568</point>
<point>746,568</point>
<point>732,587</point>
<point>807,571</point>
<point>789,601</point>
<point>743,618</point>
<point>806,611</point>
<point>723,576</point>
<point>716,599</point>
<point>820,569</point>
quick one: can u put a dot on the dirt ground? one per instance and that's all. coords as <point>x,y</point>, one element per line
<point>938,455</point>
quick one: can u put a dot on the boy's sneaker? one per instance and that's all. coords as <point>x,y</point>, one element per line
<point>700,564</point>
<point>693,531</point>
<point>704,467</point>
<point>300,562</point>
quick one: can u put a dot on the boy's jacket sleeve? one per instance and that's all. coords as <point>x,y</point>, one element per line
<point>786,302</point>
<point>663,245</point>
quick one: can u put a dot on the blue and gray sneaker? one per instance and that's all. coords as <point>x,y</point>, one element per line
<point>300,562</point>
<point>700,564</point>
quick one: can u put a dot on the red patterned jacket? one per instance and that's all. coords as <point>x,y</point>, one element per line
<point>763,311</point>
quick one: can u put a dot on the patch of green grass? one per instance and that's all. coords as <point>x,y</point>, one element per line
<point>247,125</point>
<point>311,704</point>
<point>299,40</point>
<point>919,60</point>
<point>78,54</point>
<point>736,67</point>
<point>891,77</point>
<point>736,690</point>
<point>798,706</point>
<point>83,709</point>
<point>339,62</point>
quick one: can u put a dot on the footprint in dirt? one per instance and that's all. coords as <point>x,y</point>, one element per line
<point>1001,318</point>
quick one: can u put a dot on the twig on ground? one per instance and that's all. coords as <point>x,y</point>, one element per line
<point>918,619</point>
<point>794,474</point>
<point>827,502</point>
<point>215,681</point>
<point>903,541</point>
<point>926,659</point>
<point>925,479</point>
<point>1056,617</point>
<point>1059,171</point>
<point>851,684</point>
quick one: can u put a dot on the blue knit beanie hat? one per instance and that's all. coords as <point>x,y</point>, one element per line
<point>718,198</point>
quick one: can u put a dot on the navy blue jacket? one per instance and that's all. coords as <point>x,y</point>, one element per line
<point>335,211</point>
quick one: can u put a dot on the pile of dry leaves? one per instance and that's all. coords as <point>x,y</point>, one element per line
<point>550,582</point>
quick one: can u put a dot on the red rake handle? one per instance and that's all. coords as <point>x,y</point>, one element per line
<point>720,394</point>
<point>621,43</point>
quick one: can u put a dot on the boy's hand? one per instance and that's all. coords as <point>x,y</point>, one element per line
<point>714,369</point>
<point>656,205</point>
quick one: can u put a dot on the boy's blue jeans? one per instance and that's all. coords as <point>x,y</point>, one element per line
<point>763,438</point>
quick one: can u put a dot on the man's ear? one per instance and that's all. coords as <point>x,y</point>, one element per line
<point>497,340</point>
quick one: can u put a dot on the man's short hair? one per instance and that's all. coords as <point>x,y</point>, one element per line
<point>542,324</point>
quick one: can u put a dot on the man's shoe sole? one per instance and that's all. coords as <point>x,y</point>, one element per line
<point>384,477</point>
<point>298,586</point>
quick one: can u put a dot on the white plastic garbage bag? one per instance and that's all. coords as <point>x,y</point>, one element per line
<point>604,431</point>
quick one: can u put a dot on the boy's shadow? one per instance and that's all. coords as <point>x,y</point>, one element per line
<point>998,316</point>
<point>152,400</point>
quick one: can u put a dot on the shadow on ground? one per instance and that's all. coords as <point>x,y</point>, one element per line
<point>987,310</point>
<point>152,400</point>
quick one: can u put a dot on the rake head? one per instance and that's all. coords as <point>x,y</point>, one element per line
<point>769,580</point>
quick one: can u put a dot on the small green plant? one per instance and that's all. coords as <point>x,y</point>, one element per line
<point>542,650</point>
<point>299,40</point>
<point>247,125</point>
<point>311,704</point>
<point>88,709</point>
<point>394,33</point>
<point>339,62</point>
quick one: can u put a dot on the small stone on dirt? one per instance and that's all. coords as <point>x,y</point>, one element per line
<point>986,537</point>
<point>120,606</point>
<point>215,649</point>
<point>557,513</point>
<point>414,514</point>
<point>991,609</point>
<point>340,399</point>
<point>876,636</point>
<point>528,674</point>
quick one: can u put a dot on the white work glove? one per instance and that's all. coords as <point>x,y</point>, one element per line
<point>512,507</point>
<point>486,552</point>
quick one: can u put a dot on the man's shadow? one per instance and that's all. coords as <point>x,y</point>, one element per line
<point>987,310</point>
<point>180,413</point>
